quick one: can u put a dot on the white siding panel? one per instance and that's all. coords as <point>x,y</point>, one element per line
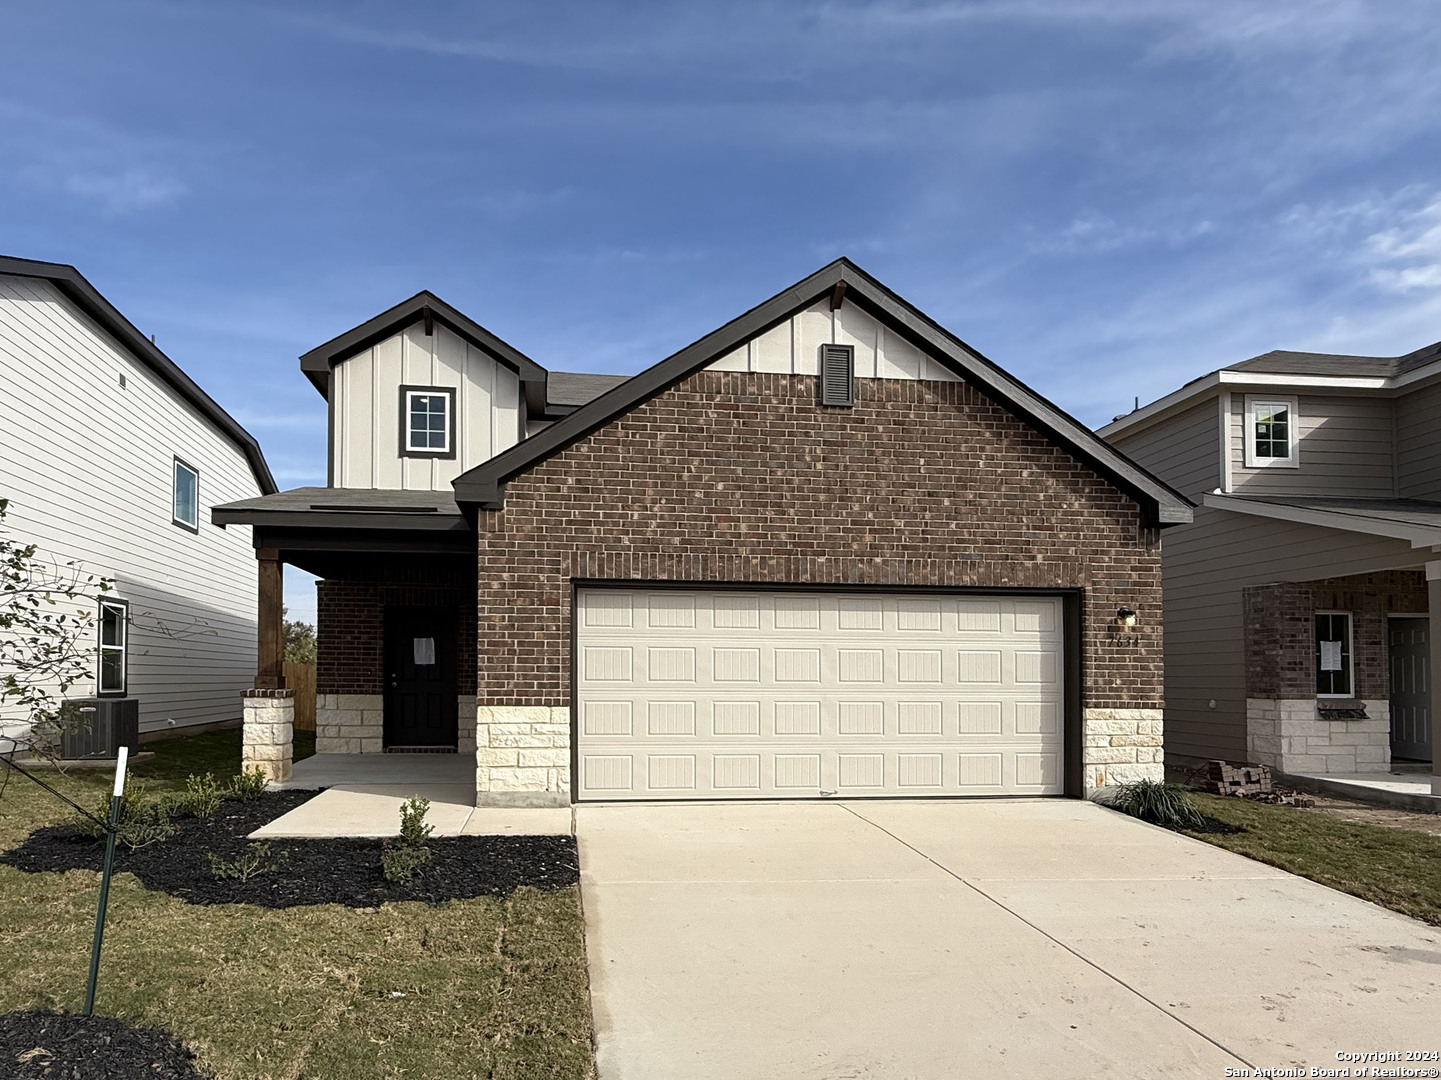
<point>794,347</point>
<point>88,469</point>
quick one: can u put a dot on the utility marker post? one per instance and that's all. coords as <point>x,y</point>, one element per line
<point>116,800</point>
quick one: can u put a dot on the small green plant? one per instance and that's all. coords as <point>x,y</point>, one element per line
<point>249,784</point>
<point>1160,803</point>
<point>201,797</point>
<point>255,860</point>
<point>402,857</point>
<point>143,820</point>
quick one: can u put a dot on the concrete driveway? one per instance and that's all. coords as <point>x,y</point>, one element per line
<point>1046,938</point>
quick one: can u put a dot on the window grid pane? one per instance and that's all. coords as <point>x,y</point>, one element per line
<point>1333,645</point>
<point>186,498</point>
<point>1273,434</point>
<point>110,678</point>
<point>429,421</point>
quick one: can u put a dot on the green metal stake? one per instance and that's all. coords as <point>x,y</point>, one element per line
<point>116,799</point>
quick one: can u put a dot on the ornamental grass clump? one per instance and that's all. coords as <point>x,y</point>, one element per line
<point>1160,803</point>
<point>402,857</point>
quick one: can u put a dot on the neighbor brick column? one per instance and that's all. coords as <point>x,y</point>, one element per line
<point>1433,595</point>
<point>269,725</point>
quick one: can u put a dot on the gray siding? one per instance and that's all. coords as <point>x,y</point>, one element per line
<point>1205,566</point>
<point>1184,451</point>
<point>1418,443</point>
<point>1344,447</point>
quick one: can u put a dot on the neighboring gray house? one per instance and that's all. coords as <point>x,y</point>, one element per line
<point>111,457</point>
<point>1304,602</point>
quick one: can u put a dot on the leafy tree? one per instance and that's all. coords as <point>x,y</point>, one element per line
<point>299,642</point>
<point>47,637</point>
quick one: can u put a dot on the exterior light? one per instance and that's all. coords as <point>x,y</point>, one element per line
<point>1126,617</point>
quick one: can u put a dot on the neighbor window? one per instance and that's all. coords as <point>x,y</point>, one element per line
<point>1270,432</point>
<point>427,421</point>
<point>1333,655</point>
<point>114,629</point>
<point>186,507</point>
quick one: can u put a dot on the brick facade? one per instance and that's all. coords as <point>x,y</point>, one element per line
<point>743,477</point>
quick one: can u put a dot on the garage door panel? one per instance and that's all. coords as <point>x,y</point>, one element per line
<point>688,694</point>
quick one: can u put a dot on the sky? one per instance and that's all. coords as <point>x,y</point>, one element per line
<point>1105,197</point>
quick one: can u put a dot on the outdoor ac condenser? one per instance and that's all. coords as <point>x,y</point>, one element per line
<point>113,723</point>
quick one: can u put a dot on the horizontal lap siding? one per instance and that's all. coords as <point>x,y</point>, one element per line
<point>1344,448</point>
<point>1418,448</point>
<point>87,467</point>
<point>742,477</point>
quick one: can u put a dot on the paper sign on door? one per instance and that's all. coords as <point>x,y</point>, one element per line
<point>1330,656</point>
<point>424,651</point>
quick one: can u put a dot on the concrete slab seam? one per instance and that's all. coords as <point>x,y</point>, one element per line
<point>1052,938</point>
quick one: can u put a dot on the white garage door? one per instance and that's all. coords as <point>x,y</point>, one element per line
<point>694,695</point>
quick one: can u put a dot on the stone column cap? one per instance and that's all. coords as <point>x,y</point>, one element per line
<point>258,693</point>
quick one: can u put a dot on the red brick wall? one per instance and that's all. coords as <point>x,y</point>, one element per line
<point>1281,630</point>
<point>350,624</point>
<point>743,477</point>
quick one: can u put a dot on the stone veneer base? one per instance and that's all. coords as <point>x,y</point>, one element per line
<point>267,732</point>
<point>1122,746</point>
<point>355,724</point>
<point>1288,735</point>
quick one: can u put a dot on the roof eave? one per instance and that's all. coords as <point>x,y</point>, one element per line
<point>1419,536</point>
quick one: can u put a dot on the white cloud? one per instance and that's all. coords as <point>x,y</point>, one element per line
<point>123,192</point>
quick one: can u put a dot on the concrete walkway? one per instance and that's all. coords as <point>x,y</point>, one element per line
<point>942,939</point>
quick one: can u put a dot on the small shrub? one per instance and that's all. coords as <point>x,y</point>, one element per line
<point>249,784</point>
<point>201,797</point>
<point>255,860</point>
<point>399,862</point>
<point>142,820</point>
<point>402,857</point>
<point>1160,803</point>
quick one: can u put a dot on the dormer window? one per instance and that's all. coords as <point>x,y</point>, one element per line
<point>427,421</point>
<point>1271,432</point>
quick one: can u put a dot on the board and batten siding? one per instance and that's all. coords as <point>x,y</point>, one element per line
<point>1418,443</point>
<point>1344,445</point>
<point>87,467</point>
<point>366,417</point>
<point>793,347</point>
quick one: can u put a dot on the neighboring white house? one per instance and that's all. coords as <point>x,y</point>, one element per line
<point>110,455</point>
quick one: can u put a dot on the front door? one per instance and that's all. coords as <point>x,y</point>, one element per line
<point>1410,689</point>
<point>420,678</point>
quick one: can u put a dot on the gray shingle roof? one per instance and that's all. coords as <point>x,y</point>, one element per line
<point>1287,362</point>
<point>572,389</point>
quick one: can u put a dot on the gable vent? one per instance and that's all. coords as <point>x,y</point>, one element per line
<point>838,375</point>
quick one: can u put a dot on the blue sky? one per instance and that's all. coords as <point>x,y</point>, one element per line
<point>1107,197</point>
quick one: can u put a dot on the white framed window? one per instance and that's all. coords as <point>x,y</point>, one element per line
<point>185,506</point>
<point>1271,424</point>
<point>427,421</point>
<point>112,668</point>
<point>1334,663</point>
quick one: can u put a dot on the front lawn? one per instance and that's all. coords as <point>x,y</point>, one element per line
<point>1396,868</point>
<point>487,987</point>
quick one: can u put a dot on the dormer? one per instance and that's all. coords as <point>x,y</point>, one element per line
<point>419,394</point>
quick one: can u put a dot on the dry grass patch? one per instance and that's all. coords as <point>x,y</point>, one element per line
<point>469,988</point>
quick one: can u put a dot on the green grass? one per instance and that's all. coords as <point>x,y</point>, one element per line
<point>489,988</point>
<point>1396,868</point>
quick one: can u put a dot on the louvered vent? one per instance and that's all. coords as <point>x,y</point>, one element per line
<point>838,371</point>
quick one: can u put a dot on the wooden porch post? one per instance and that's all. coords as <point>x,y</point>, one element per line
<point>270,656</point>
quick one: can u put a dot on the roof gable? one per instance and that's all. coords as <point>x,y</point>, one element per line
<point>87,298</point>
<point>425,305</point>
<point>483,485</point>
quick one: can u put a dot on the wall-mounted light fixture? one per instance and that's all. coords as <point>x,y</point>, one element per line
<point>1126,618</point>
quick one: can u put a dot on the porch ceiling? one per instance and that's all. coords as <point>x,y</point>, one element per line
<point>1414,520</point>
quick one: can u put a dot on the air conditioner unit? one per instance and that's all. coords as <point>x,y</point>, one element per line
<point>112,723</point>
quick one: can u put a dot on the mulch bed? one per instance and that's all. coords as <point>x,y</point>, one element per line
<point>314,871</point>
<point>36,1044</point>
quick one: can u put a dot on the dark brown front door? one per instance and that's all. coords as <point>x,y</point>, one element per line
<point>1410,689</point>
<point>420,678</point>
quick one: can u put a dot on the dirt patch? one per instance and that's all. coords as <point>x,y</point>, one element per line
<point>41,1044</point>
<point>329,871</point>
<point>1387,816</point>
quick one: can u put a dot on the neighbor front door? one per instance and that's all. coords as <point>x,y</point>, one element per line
<point>1410,689</point>
<point>420,678</point>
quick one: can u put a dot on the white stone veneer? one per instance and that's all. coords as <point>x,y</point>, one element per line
<point>355,724</point>
<point>1122,745</point>
<point>1288,735</point>
<point>522,755</point>
<point>266,738</point>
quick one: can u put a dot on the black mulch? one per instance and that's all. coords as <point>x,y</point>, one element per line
<point>36,1044</point>
<point>314,871</point>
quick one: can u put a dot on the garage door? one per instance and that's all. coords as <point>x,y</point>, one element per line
<point>696,695</point>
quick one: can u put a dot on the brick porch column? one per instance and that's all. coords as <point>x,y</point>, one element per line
<point>266,738</point>
<point>1433,638</point>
